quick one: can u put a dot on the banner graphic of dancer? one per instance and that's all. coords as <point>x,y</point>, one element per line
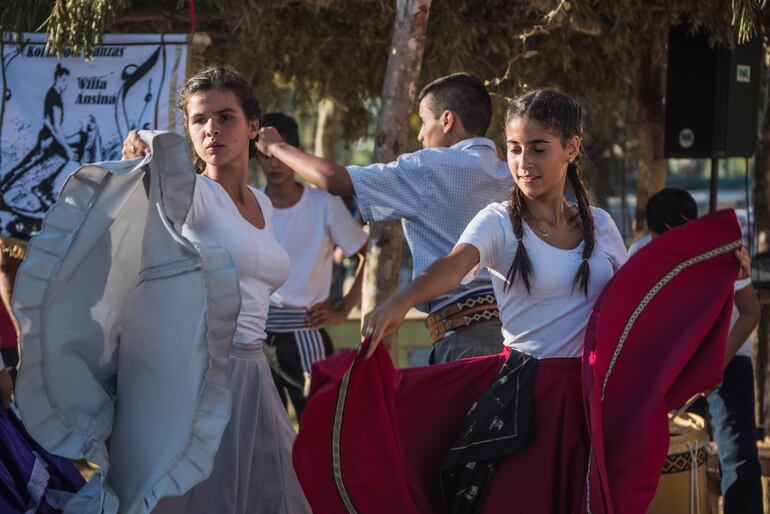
<point>60,113</point>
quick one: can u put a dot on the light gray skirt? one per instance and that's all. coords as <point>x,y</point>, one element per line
<point>253,472</point>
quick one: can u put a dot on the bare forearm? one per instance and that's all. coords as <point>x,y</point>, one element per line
<point>740,332</point>
<point>321,173</point>
<point>354,295</point>
<point>443,276</point>
<point>748,308</point>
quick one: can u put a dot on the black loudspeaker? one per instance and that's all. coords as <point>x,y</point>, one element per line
<point>712,97</point>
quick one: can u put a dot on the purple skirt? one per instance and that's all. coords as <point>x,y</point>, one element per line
<point>31,479</point>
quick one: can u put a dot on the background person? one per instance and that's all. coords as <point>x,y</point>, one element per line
<point>308,224</point>
<point>730,407</point>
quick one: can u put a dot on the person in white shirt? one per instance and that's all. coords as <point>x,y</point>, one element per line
<point>547,273</point>
<point>731,406</point>
<point>252,470</point>
<point>309,223</point>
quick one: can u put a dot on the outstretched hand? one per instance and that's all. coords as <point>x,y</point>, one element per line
<point>134,147</point>
<point>383,322</point>
<point>745,261</point>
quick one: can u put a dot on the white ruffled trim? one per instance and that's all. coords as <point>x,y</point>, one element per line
<point>223,303</point>
<point>42,416</point>
<point>45,420</point>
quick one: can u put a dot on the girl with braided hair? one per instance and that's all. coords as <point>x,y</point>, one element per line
<point>547,272</point>
<point>531,429</point>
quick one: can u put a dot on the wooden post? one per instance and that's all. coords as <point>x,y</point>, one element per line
<point>326,128</point>
<point>398,94</point>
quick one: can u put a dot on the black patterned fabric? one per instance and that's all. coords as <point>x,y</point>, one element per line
<point>499,423</point>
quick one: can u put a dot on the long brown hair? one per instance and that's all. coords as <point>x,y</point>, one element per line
<point>561,115</point>
<point>225,79</point>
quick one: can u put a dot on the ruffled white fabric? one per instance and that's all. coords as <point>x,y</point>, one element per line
<point>126,332</point>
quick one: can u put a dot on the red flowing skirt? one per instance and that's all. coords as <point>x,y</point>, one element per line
<point>373,438</point>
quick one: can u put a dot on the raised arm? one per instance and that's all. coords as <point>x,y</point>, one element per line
<point>321,173</point>
<point>443,276</point>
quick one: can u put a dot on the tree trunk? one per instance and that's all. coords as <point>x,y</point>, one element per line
<point>326,129</point>
<point>648,97</point>
<point>398,94</point>
<point>762,220</point>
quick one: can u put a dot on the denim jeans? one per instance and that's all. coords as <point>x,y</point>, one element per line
<point>731,409</point>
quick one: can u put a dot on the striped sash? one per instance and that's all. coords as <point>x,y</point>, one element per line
<point>309,341</point>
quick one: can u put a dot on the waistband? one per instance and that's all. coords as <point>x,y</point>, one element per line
<point>287,319</point>
<point>474,307</point>
<point>246,351</point>
<point>461,297</point>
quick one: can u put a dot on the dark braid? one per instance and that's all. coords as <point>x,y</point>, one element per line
<point>563,116</point>
<point>521,262</point>
<point>587,218</point>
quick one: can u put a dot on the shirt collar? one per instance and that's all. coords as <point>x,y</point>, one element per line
<point>474,141</point>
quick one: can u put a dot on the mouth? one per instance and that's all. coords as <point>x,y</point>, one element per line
<point>527,179</point>
<point>214,146</point>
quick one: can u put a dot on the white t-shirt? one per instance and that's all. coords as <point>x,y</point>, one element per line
<point>639,244</point>
<point>262,263</point>
<point>551,321</point>
<point>309,231</point>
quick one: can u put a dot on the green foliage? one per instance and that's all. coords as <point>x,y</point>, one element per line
<point>306,49</point>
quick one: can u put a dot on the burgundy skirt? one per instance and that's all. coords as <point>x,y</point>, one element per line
<point>373,438</point>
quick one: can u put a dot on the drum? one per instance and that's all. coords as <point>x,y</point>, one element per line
<point>682,487</point>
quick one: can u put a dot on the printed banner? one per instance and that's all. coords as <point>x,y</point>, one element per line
<point>59,113</point>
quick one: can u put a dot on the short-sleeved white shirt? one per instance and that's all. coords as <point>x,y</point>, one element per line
<point>261,261</point>
<point>309,230</point>
<point>551,321</point>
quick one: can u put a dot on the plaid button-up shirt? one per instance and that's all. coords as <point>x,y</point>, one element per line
<point>435,192</point>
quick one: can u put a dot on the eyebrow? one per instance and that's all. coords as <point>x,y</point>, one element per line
<point>223,111</point>
<point>536,141</point>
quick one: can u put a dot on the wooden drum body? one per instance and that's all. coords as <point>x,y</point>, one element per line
<point>682,488</point>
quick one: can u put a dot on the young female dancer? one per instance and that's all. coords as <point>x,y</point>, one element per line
<point>252,470</point>
<point>463,440</point>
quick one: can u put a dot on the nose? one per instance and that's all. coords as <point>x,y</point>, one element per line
<point>521,161</point>
<point>212,129</point>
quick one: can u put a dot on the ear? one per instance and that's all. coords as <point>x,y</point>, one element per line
<point>253,128</point>
<point>448,121</point>
<point>573,148</point>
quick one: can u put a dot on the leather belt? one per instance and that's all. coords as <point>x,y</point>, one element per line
<point>469,311</point>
